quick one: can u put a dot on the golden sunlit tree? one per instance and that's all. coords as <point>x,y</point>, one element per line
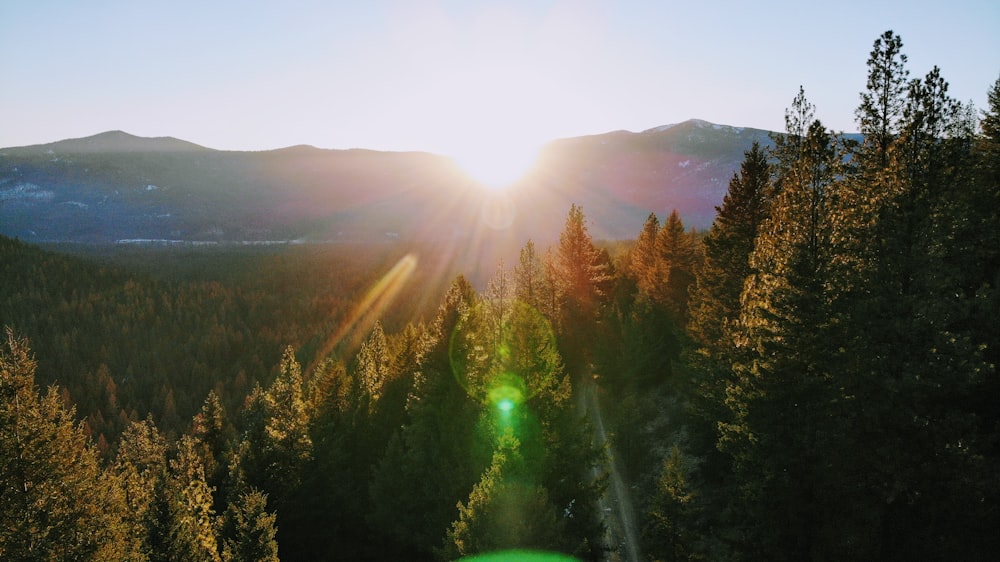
<point>57,502</point>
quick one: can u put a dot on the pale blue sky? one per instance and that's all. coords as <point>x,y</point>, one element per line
<point>445,76</point>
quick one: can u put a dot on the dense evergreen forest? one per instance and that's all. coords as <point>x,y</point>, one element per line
<point>814,378</point>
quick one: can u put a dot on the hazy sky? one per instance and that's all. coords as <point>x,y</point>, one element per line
<point>445,76</point>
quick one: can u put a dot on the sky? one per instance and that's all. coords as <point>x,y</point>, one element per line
<point>454,76</point>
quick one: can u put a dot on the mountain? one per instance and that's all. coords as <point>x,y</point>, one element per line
<point>116,187</point>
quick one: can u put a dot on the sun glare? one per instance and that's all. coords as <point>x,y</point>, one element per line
<point>496,166</point>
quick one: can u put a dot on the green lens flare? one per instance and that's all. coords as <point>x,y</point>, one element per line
<point>520,556</point>
<point>506,397</point>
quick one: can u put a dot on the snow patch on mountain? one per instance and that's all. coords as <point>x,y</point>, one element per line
<point>24,191</point>
<point>661,128</point>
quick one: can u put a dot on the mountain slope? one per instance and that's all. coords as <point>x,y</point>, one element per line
<point>115,186</point>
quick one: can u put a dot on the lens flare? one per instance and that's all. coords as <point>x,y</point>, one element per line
<point>499,210</point>
<point>503,365</point>
<point>506,397</point>
<point>520,556</point>
<point>371,307</point>
<point>496,163</point>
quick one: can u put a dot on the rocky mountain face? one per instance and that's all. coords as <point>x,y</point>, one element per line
<point>115,187</point>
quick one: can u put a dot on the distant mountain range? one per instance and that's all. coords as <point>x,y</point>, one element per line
<point>115,187</point>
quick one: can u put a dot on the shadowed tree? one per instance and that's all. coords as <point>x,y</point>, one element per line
<point>780,403</point>
<point>431,462</point>
<point>505,510</point>
<point>715,307</point>
<point>250,530</point>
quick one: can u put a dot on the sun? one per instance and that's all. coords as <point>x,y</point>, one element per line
<point>496,165</point>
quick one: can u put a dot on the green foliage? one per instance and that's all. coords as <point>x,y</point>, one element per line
<point>373,363</point>
<point>141,467</point>
<point>505,510</point>
<point>431,461</point>
<point>57,502</point>
<point>252,530</point>
<point>674,506</point>
<point>881,106</point>
<point>816,380</point>
<point>192,524</point>
<point>580,274</point>
<point>674,267</point>
<point>127,332</point>
<point>529,277</point>
<point>715,308</point>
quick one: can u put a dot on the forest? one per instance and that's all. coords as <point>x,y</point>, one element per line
<point>813,378</point>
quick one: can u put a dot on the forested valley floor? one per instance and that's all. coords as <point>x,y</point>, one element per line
<point>813,378</point>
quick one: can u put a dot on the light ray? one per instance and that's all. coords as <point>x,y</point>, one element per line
<point>371,307</point>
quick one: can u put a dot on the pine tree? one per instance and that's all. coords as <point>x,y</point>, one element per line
<point>431,462</point>
<point>728,246</point>
<point>193,525</point>
<point>141,467</point>
<point>57,503</point>
<point>506,510</point>
<point>373,364</point>
<point>529,276</point>
<point>287,445</point>
<point>881,110</point>
<point>580,274</point>
<point>275,453</point>
<point>670,534</point>
<point>643,257</point>
<point>780,401</point>
<point>209,429</point>
<point>676,260</point>
<point>683,508</point>
<point>910,332</point>
<point>250,530</point>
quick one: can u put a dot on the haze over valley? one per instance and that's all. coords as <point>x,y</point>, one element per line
<point>115,187</point>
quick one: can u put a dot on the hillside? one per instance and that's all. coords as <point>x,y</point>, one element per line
<point>116,187</point>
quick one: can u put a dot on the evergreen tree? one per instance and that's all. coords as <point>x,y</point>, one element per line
<point>676,259</point>
<point>57,503</point>
<point>780,434</point>
<point>275,454</point>
<point>431,462</point>
<point>287,444</point>
<point>193,525</point>
<point>881,110</point>
<point>643,260</point>
<point>141,467</point>
<point>505,510</point>
<point>911,338</point>
<point>529,276</point>
<point>580,274</point>
<point>250,529</point>
<point>209,430</point>
<point>728,246</point>
<point>670,534</point>
<point>373,363</point>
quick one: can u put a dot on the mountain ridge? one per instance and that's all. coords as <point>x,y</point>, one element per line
<point>117,186</point>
